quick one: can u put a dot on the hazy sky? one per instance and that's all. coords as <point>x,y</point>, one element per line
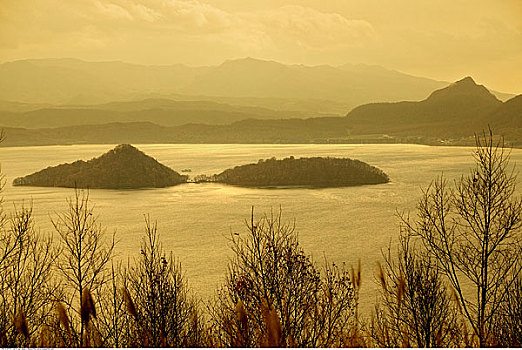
<point>442,39</point>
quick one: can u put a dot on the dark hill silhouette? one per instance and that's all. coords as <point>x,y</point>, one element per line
<point>123,167</point>
<point>509,115</point>
<point>452,111</point>
<point>313,172</point>
<point>463,90</point>
<point>507,119</point>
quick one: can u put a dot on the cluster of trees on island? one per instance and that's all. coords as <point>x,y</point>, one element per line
<point>454,280</point>
<point>316,171</point>
<point>122,167</point>
<point>127,167</point>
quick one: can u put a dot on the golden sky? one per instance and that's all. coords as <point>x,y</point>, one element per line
<point>441,39</point>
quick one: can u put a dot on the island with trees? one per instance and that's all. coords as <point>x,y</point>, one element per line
<point>124,167</point>
<point>303,172</point>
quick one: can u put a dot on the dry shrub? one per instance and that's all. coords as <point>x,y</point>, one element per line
<point>416,308</point>
<point>287,299</point>
<point>158,299</point>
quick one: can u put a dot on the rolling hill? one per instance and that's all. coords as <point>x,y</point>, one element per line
<point>160,111</point>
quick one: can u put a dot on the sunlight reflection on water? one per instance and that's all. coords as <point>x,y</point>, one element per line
<point>344,224</point>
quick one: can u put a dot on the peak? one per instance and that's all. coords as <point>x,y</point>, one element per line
<point>467,81</point>
<point>463,88</point>
<point>249,62</point>
<point>124,146</point>
<point>466,84</point>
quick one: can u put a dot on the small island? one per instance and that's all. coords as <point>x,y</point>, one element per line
<point>124,167</point>
<point>303,172</point>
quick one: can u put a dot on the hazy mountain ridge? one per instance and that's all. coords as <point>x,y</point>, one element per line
<point>160,111</point>
<point>451,114</point>
<point>72,81</point>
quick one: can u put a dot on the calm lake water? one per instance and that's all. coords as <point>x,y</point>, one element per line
<point>195,220</point>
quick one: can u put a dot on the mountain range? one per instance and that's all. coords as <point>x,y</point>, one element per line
<point>252,82</point>
<point>450,115</point>
<point>454,111</point>
<point>160,111</point>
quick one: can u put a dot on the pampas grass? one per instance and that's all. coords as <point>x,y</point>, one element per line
<point>87,308</point>
<point>20,324</point>
<point>63,318</point>
<point>129,304</point>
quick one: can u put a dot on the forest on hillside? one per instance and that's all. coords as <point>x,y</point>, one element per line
<point>124,167</point>
<point>314,172</point>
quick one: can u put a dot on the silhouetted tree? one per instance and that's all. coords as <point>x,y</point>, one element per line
<point>416,308</point>
<point>158,299</point>
<point>27,289</point>
<point>275,295</point>
<point>83,264</point>
<point>473,232</point>
<point>507,330</point>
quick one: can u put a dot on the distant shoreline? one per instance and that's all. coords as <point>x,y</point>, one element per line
<point>458,144</point>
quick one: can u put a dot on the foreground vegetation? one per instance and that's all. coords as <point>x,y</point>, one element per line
<point>453,280</point>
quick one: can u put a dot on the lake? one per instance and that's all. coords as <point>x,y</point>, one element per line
<point>195,220</point>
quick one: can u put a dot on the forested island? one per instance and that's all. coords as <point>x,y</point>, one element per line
<point>310,172</point>
<point>124,167</point>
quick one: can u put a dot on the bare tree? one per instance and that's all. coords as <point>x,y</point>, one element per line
<point>113,321</point>
<point>275,295</point>
<point>7,243</point>
<point>83,262</point>
<point>158,298</point>
<point>473,232</point>
<point>416,308</point>
<point>508,321</point>
<point>26,283</point>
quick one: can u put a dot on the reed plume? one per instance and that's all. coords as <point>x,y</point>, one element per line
<point>242,331</point>
<point>87,308</point>
<point>129,304</point>
<point>241,314</point>
<point>3,338</point>
<point>62,316</point>
<point>356,275</point>
<point>45,338</point>
<point>20,323</point>
<point>274,331</point>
